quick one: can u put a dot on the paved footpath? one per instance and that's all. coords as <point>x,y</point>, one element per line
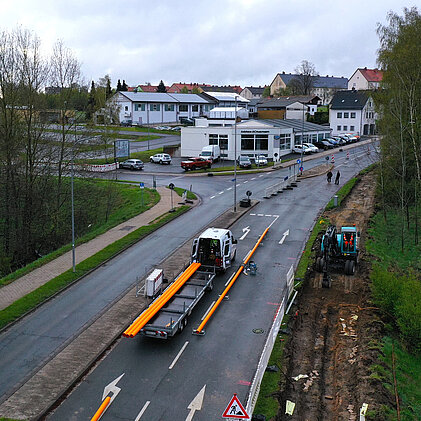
<point>38,277</point>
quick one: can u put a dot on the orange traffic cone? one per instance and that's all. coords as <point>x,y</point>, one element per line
<point>347,155</point>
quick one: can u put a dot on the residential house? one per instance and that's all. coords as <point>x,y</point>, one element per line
<point>182,87</point>
<point>228,89</point>
<point>281,108</point>
<point>143,88</point>
<point>252,92</point>
<point>322,86</point>
<point>352,112</point>
<point>226,99</point>
<point>364,79</point>
<point>157,108</point>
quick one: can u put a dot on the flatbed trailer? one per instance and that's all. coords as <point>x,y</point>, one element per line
<point>172,318</point>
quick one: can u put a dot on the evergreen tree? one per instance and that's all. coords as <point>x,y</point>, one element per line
<point>119,87</point>
<point>108,90</point>
<point>90,109</point>
<point>124,87</point>
<point>161,87</point>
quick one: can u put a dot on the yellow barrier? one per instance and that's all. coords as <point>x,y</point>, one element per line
<point>147,315</point>
<point>224,293</point>
<point>101,409</point>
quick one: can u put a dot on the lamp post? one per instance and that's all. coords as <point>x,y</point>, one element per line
<point>302,147</point>
<point>73,204</point>
<point>147,116</point>
<point>235,157</point>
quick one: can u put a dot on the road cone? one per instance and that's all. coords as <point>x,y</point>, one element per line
<point>347,155</point>
<point>332,159</point>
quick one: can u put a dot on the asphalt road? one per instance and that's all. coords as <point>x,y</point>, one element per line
<point>225,358</point>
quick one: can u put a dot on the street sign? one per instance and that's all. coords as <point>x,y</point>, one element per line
<point>171,186</point>
<point>298,161</point>
<point>235,410</point>
<point>142,185</point>
<point>301,169</point>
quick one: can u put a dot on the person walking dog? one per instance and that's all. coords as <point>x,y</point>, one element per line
<point>338,175</point>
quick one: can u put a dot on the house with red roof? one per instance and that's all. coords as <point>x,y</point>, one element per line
<point>177,88</point>
<point>365,79</point>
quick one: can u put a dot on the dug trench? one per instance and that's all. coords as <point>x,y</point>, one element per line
<point>330,349</point>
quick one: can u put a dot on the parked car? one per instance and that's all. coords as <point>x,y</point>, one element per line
<point>132,164</point>
<point>160,158</point>
<point>176,128</point>
<point>243,161</point>
<point>331,141</point>
<point>304,149</point>
<point>323,144</point>
<point>187,121</point>
<point>195,163</point>
<point>260,160</point>
<point>341,142</point>
<point>126,122</point>
<point>313,149</point>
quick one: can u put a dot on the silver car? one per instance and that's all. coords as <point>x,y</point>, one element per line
<point>132,164</point>
<point>160,158</point>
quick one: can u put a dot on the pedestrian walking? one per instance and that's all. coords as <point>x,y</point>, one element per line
<point>329,176</point>
<point>338,175</point>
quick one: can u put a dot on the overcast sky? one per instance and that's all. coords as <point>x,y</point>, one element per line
<point>243,42</point>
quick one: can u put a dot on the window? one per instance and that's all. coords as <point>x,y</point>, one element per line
<point>320,136</point>
<point>213,139</point>
<point>126,108</point>
<point>345,128</point>
<point>155,107</point>
<point>285,142</point>
<point>346,115</point>
<point>184,108</point>
<point>262,142</point>
<point>352,115</point>
<point>195,108</point>
<point>338,128</point>
<point>206,107</point>
<point>223,141</point>
<point>366,115</point>
<point>338,115</point>
<point>169,107</point>
<point>247,141</point>
<point>352,128</point>
<point>139,107</point>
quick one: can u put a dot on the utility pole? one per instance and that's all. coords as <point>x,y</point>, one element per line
<point>235,156</point>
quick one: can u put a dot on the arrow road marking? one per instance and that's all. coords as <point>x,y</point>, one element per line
<point>142,411</point>
<point>196,404</point>
<point>112,388</point>
<point>246,230</point>
<point>284,235</point>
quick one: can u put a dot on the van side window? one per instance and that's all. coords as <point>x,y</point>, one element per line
<point>226,249</point>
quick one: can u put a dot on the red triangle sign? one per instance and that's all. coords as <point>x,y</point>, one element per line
<point>235,410</point>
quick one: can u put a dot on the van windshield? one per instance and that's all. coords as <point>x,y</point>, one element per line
<point>206,153</point>
<point>208,250</point>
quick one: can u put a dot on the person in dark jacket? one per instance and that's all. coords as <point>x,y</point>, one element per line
<point>329,176</point>
<point>338,175</point>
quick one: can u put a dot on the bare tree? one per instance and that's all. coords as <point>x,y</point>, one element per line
<point>303,83</point>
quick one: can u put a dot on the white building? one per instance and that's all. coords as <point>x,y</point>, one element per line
<point>227,99</point>
<point>352,112</point>
<point>157,108</point>
<point>252,92</point>
<point>364,79</point>
<point>272,138</point>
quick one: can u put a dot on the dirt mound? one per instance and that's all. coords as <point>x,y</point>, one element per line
<point>334,333</point>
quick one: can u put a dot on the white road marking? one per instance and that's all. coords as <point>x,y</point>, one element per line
<point>221,192</point>
<point>178,356</point>
<point>196,404</point>
<point>212,197</point>
<point>244,182</point>
<point>252,214</point>
<point>246,230</point>
<point>229,280</point>
<point>142,411</point>
<point>284,235</point>
<point>254,178</point>
<point>261,175</point>
<point>277,216</point>
<point>269,216</point>
<point>260,214</point>
<point>207,311</point>
<point>229,188</point>
<point>238,185</point>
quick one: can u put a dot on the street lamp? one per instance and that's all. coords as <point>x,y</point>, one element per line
<point>235,156</point>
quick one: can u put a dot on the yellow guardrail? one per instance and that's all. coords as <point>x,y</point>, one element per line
<point>147,315</point>
<point>224,293</point>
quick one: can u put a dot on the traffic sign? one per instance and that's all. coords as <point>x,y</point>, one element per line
<point>298,161</point>
<point>235,410</point>
<point>301,169</point>
<point>171,186</point>
<point>142,185</point>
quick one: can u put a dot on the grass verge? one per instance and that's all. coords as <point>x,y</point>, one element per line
<point>130,208</point>
<point>342,193</point>
<point>180,191</point>
<point>31,300</point>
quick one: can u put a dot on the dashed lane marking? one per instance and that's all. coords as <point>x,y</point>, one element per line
<point>221,192</point>
<point>178,356</point>
<point>229,188</point>
<point>142,411</point>
<point>212,197</point>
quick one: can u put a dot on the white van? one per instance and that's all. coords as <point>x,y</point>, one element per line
<point>215,247</point>
<point>212,152</point>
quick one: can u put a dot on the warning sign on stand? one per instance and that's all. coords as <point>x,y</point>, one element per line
<point>235,411</point>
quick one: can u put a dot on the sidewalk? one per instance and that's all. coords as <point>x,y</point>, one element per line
<point>38,277</point>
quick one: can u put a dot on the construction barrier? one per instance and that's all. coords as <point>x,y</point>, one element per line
<point>97,168</point>
<point>278,187</point>
<point>290,280</point>
<point>237,274</point>
<point>156,305</point>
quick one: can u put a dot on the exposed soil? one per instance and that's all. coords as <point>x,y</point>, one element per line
<point>334,332</point>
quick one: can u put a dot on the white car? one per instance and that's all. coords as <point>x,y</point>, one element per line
<point>260,160</point>
<point>313,149</point>
<point>160,158</point>
<point>303,148</point>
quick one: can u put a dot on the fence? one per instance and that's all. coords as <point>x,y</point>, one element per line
<point>98,168</point>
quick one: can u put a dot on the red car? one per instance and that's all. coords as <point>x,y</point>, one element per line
<point>195,163</point>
